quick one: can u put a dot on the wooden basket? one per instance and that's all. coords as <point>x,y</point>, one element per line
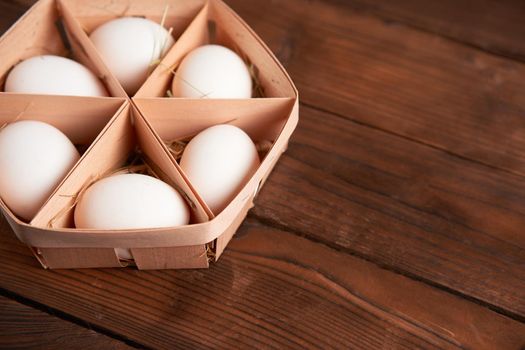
<point>112,128</point>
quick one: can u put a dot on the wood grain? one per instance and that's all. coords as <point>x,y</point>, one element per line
<point>406,206</point>
<point>23,327</point>
<point>494,26</point>
<point>271,289</point>
<point>408,82</point>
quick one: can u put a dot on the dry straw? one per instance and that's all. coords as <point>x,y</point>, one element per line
<point>210,252</point>
<point>156,61</point>
<point>177,147</point>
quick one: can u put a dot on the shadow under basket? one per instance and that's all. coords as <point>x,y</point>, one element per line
<point>144,125</point>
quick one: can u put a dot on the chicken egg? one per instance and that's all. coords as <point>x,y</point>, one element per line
<point>130,201</point>
<point>212,71</point>
<point>218,162</point>
<point>53,75</point>
<point>130,46</point>
<point>34,158</point>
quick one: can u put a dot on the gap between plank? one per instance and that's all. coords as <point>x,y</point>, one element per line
<point>69,318</point>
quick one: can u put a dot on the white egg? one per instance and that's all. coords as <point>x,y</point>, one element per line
<point>212,71</point>
<point>218,162</point>
<point>129,47</point>
<point>53,75</point>
<point>130,201</point>
<point>34,158</point>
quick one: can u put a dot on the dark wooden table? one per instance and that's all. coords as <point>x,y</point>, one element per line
<point>396,219</point>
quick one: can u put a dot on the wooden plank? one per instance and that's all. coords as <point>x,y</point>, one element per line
<point>412,208</point>
<point>22,327</point>
<point>270,289</point>
<point>495,26</point>
<point>393,77</point>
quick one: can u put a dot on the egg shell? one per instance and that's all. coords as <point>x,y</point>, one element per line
<point>212,71</point>
<point>130,46</point>
<point>218,162</point>
<point>130,201</point>
<point>34,158</point>
<point>53,75</point>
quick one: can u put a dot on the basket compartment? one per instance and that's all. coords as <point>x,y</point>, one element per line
<point>47,30</point>
<point>81,119</point>
<point>218,24</point>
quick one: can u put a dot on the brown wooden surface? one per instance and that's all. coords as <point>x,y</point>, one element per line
<point>411,83</point>
<point>271,289</point>
<point>394,220</point>
<point>494,26</point>
<point>25,327</point>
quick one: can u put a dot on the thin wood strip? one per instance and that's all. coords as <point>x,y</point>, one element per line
<point>189,257</point>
